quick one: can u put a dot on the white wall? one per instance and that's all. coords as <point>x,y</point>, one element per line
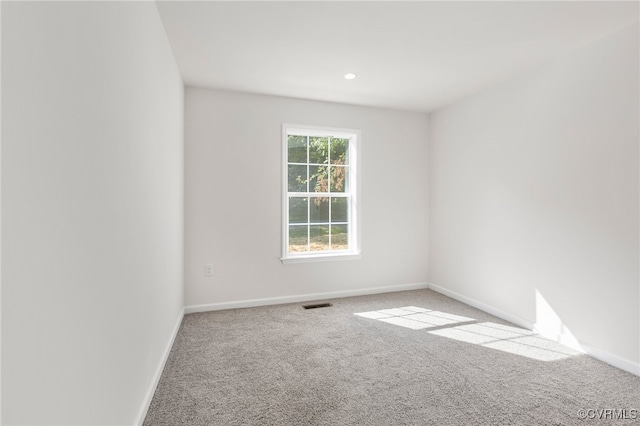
<point>233,198</point>
<point>534,186</point>
<point>92,220</point>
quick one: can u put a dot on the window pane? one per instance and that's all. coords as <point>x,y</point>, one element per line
<point>298,208</point>
<point>339,151</point>
<point>297,149</point>
<point>339,211</point>
<point>318,179</point>
<point>319,212</point>
<point>298,238</point>
<point>318,150</point>
<point>319,238</point>
<point>297,178</point>
<point>340,237</point>
<point>339,178</point>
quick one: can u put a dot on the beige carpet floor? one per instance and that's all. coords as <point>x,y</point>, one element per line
<point>406,358</point>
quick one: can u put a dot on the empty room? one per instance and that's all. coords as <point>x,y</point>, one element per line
<point>320,213</point>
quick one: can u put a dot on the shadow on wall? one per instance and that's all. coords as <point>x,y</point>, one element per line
<point>491,335</point>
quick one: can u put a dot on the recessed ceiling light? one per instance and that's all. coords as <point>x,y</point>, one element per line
<point>350,76</point>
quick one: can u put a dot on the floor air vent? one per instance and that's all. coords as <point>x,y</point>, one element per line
<point>319,305</point>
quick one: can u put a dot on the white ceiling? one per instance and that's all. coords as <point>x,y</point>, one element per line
<point>415,56</point>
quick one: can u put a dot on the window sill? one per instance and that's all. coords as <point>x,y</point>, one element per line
<point>321,258</point>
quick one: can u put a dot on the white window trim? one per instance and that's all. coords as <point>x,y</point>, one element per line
<point>354,180</point>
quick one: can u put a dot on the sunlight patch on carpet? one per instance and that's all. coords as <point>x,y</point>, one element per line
<point>501,337</point>
<point>414,317</point>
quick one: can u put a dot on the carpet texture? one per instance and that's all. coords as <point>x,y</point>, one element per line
<point>406,358</point>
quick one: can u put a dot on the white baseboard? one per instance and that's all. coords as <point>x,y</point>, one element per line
<point>483,307</point>
<point>564,337</point>
<point>302,298</point>
<point>612,359</point>
<point>604,356</point>
<point>158,373</point>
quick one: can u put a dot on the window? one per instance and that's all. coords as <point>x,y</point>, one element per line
<point>320,220</point>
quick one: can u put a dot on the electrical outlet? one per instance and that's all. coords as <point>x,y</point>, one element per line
<point>208,270</point>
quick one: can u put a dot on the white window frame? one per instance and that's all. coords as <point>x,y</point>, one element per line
<point>354,251</point>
